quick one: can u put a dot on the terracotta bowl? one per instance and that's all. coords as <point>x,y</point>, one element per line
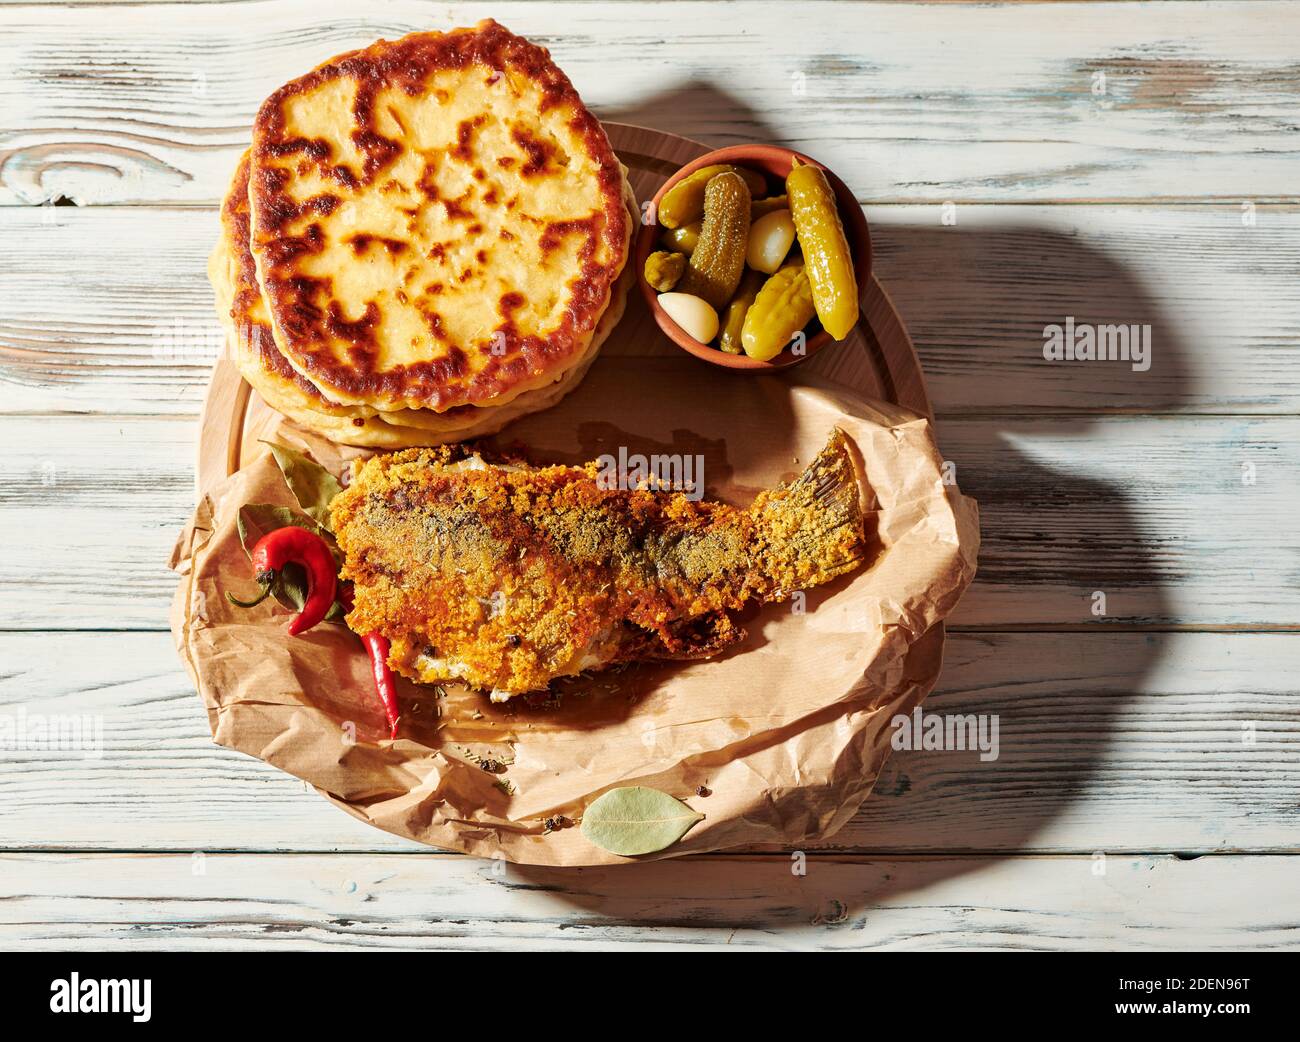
<point>774,162</point>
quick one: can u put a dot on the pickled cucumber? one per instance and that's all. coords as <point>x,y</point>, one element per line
<point>682,239</point>
<point>783,307</point>
<point>762,207</point>
<point>714,269</point>
<point>733,318</point>
<point>684,201</point>
<point>663,269</point>
<point>825,248</point>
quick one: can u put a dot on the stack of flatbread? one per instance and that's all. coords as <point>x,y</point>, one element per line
<point>427,239</point>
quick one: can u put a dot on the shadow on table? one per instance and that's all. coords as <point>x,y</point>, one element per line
<point>1046,535</point>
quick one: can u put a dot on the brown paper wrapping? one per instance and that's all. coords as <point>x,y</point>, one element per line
<point>787,733</point>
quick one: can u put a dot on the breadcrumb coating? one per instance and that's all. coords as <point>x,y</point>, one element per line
<point>508,576</point>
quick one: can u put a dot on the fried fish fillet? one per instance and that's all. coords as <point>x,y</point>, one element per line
<point>508,576</point>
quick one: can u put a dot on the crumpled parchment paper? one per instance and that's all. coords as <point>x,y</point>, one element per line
<point>786,733</point>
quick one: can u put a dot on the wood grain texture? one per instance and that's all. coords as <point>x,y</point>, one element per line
<point>1123,743</point>
<point>109,104</point>
<point>348,901</point>
<point>89,510</point>
<point>1113,741</point>
<point>109,310</point>
<point>1156,513</point>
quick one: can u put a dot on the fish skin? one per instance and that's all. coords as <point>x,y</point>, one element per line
<point>508,576</point>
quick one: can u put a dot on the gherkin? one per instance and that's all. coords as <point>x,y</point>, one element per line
<point>714,270</point>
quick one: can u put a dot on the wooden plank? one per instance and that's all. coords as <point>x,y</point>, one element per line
<point>1021,103</point>
<point>1219,297</point>
<point>138,334</point>
<point>1131,520</point>
<point>346,901</point>
<point>1122,741</point>
<point>1164,516</point>
<point>1115,742</point>
<point>95,506</point>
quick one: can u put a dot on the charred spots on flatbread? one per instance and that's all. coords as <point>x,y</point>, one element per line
<point>378,150</point>
<point>344,176</point>
<point>361,242</point>
<point>434,321</point>
<point>456,208</point>
<point>538,153</point>
<point>464,147</point>
<point>322,205</point>
<point>555,232</point>
<point>287,247</point>
<point>359,332</point>
<point>316,150</point>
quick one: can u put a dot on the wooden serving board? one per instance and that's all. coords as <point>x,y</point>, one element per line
<point>876,361</point>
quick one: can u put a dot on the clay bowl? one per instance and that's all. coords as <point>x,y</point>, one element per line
<point>773,162</point>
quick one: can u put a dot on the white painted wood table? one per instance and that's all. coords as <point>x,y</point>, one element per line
<point>1119,163</point>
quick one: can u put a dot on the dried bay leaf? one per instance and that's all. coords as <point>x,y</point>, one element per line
<point>636,820</point>
<point>311,484</point>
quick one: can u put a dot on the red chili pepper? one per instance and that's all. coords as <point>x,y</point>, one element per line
<point>291,543</point>
<point>377,644</point>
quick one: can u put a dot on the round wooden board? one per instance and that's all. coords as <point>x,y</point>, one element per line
<point>876,361</point>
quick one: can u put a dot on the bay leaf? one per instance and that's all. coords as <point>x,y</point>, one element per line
<point>290,586</point>
<point>635,820</point>
<point>290,589</point>
<point>311,484</point>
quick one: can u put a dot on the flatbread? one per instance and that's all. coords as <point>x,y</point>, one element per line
<point>436,222</point>
<point>251,345</point>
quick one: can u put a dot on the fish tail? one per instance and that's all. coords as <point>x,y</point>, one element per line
<point>811,529</point>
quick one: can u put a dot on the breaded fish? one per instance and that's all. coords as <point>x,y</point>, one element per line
<point>508,576</point>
